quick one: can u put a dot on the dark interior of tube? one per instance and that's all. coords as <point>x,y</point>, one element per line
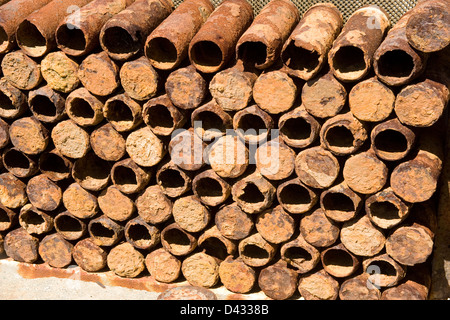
<point>301,59</point>
<point>161,50</point>
<point>214,247</point>
<point>51,162</point>
<point>338,258</point>
<point>253,53</point>
<point>71,37</point>
<point>5,102</point>
<point>252,125</point>
<point>206,53</point>
<point>297,254</point>
<point>255,252</point>
<point>16,159</point>
<point>117,40</point>
<point>208,188</point>
<point>124,176</point>
<point>349,59</point>
<point>43,106</point>
<point>340,137</point>
<point>384,210</point>
<point>296,129</point>
<point>158,116</point>
<point>251,194</point>
<point>334,201</point>
<point>32,218</point>
<point>177,239</point>
<point>391,141</point>
<point>66,223</point>
<point>30,38</point>
<point>5,219</point>
<point>210,120</point>
<point>3,38</point>
<point>140,235</point>
<point>294,194</point>
<point>119,112</point>
<point>171,179</point>
<point>80,108</point>
<point>395,63</point>
<point>98,230</point>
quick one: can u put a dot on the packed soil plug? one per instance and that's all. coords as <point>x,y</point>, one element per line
<point>91,172</point>
<point>275,160</point>
<point>35,35</point>
<point>395,62</point>
<point>107,143</point>
<point>139,80</point>
<point>422,104</point>
<point>190,214</point>
<point>167,46</point>
<point>144,147</point>
<point>385,209</point>
<point>370,100</point>
<point>56,251</point>
<point>201,269</point>
<point>317,167</point>
<point>122,39</point>
<point>21,71</point>
<point>13,101</point>
<point>89,256</point>
<point>338,261</point>
<point>4,133</point>
<point>128,177</point>
<point>260,45</point>
<point>212,242</point>
<point>99,74</point>
<point>343,134</point>
<point>163,266</point>
<point>236,276</point>
<point>173,181</point>
<point>104,231</point>
<point>60,72</point>
<point>275,225</point>
<point>47,105</point>
<point>153,206</point>
<point>318,230</point>
<point>18,163</point>
<point>255,251</point>
<point>12,191</point>
<point>125,261</point>
<point>210,188</point>
<point>356,288</point>
<point>162,116</point>
<point>177,241</point>
<point>295,197</point>
<point>35,221</point>
<point>324,96</point>
<point>210,121</point>
<point>12,14</point>
<point>253,124</point>
<point>277,281</point>
<point>233,223</point>
<point>79,202</point>
<point>69,226</point>
<point>70,139</point>
<point>78,33</point>
<point>84,108</point>
<point>300,254</point>
<point>141,234</point>
<point>340,203</point>
<point>318,286</point>
<point>352,53</point>
<point>427,28</point>
<point>187,150</point>
<point>389,272</point>
<point>297,128</point>
<point>187,293</point>
<point>21,246</point>
<point>305,58</point>
<point>116,205</point>
<point>8,218</point>
<point>214,44</point>
<point>43,193</point>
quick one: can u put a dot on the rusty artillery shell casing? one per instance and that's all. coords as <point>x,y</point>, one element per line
<point>70,139</point>
<point>80,202</point>
<point>236,276</point>
<point>125,261</point>
<point>298,128</point>
<point>29,135</point>
<point>343,134</point>
<point>84,108</point>
<point>210,188</point>
<point>318,286</point>
<point>295,197</point>
<point>18,163</point>
<point>319,230</point>
<point>56,251</point>
<point>186,87</point>
<point>107,143</point>
<point>305,58</point>
<point>233,223</point>
<point>317,167</point>
<point>190,214</point>
<point>139,80</point>
<point>8,218</point>
<point>91,172</point>
<point>12,191</point>
<point>255,251</point>
<point>431,96</point>
<point>35,35</point>
<point>141,234</point>
<point>115,204</point>
<point>338,261</point>
<point>389,272</point>
<point>60,72</point>
<point>162,116</point>
<point>212,242</point>
<point>69,226</point>
<point>4,133</point>
<point>371,100</point>
<point>356,288</point>
<point>427,26</point>
<point>300,254</point>
<point>275,225</point>
<point>128,177</point>
<point>35,221</point>
<point>43,193</point>
<point>89,256</point>
<point>21,71</point>
<point>187,292</point>
<point>324,96</point>
<point>210,121</point>
<point>252,124</point>
<point>177,241</point>
<point>21,246</point>
<point>201,269</point>
<point>153,206</point>
<point>122,39</point>
<point>277,281</point>
<point>275,160</point>
<point>144,147</point>
<point>14,101</point>
<point>260,45</point>
<point>173,181</point>
<point>340,203</point>
<point>99,74</point>
<point>162,265</point>
<point>11,15</point>
<point>78,33</point>
<point>213,46</point>
<point>47,105</point>
<point>352,53</point>
<point>167,45</point>
<point>104,231</point>
<point>186,150</point>
<point>395,62</point>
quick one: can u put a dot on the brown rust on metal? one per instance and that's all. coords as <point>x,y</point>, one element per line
<point>80,202</point>
<point>162,116</point>
<point>228,156</point>
<point>104,231</point>
<point>21,246</point>
<point>125,261</point>
<point>275,225</point>
<point>210,188</point>
<point>298,128</point>
<point>319,230</point>
<point>12,191</point>
<point>8,218</point>
<point>233,223</point>
<point>139,79</point>
<point>144,147</point>
<point>177,241</point>
<point>89,256</point>
<point>201,269</point>
<point>255,251</point>
<point>35,221</point>
<point>18,163</point>
<point>70,139</point>
<point>318,286</point>
<point>60,72</point>
<point>253,124</point>
<point>91,172</point>
<point>107,143</point>
<point>303,57</point>
<point>340,203</point>
<point>115,204</point>
<point>295,197</point>
<point>43,193</point>
<point>212,242</point>
<point>190,214</point>
<point>141,234</point>
<point>128,177</point>
<point>13,100</point>
<point>275,160</point>
<point>84,108</point>
<point>236,276</point>
<point>4,134</point>
<point>21,71</point>
<point>55,250</point>
<point>277,281</point>
<point>356,288</point>
<point>163,266</point>
<point>390,272</point>
<point>174,182</point>
<point>153,206</point>
<point>186,150</point>
<point>299,254</point>
<point>338,261</point>
<point>69,226</point>
<point>47,105</point>
<point>210,121</point>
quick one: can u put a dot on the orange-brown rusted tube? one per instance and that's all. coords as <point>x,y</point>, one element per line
<point>177,241</point>
<point>104,231</point>
<point>277,281</point>
<point>338,261</point>
<point>128,177</point>
<point>14,101</point>
<point>18,163</point>
<point>298,128</point>
<point>319,230</point>
<point>295,197</point>
<point>47,105</point>
<point>84,108</point>
<point>69,226</point>
<point>162,116</point>
<point>141,234</point>
<point>210,188</point>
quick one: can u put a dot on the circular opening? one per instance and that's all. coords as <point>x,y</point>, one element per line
<point>4,39</point>
<point>171,179</point>
<point>5,220</point>
<point>208,189</point>
<point>119,113</point>
<point>16,160</point>
<point>70,37</point>
<point>210,120</point>
<point>140,235</point>
<point>339,137</point>
<point>159,117</point>
<point>214,247</point>
<point>386,272</point>
<point>32,219</point>
<point>251,194</point>
<point>124,177</point>
<point>53,163</point>
<point>384,210</point>
<point>395,63</point>
<point>301,59</point>
<point>349,59</point>
<point>178,241</point>
<point>68,225</point>
<point>295,194</point>
<point>338,262</point>
<point>252,125</point>
<point>30,39</point>
<point>5,102</point>
<point>391,141</point>
<point>98,230</point>
<point>161,51</point>
<point>333,201</point>
<point>80,108</point>
<point>297,254</point>
<point>91,168</point>
<point>43,106</point>
<point>253,53</point>
<point>254,252</point>
<point>206,54</point>
<point>117,40</point>
<point>296,129</point>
